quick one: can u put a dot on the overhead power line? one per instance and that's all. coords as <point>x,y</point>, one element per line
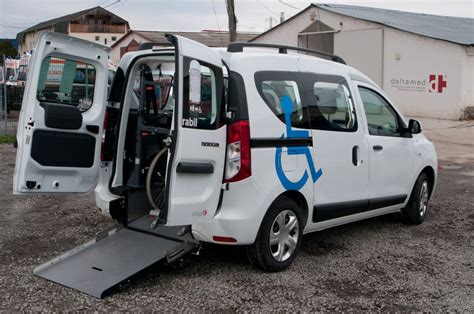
<point>267,8</point>
<point>217,21</point>
<point>13,27</point>
<point>289,5</point>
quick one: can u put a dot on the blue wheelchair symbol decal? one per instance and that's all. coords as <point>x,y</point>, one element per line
<point>287,105</point>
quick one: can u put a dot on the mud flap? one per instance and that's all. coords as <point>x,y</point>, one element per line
<point>108,262</point>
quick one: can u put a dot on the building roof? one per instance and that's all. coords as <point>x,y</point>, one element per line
<point>457,30</point>
<point>61,22</point>
<point>208,38</point>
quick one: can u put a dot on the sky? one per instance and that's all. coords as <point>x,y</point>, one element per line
<point>195,15</point>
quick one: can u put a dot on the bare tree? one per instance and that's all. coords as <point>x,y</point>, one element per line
<point>232,20</point>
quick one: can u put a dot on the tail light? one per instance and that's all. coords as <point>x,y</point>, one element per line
<point>104,135</point>
<point>238,165</point>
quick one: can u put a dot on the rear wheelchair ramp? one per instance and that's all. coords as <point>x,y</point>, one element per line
<point>102,265</point>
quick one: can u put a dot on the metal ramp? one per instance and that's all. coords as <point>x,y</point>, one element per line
<point>107,263</point>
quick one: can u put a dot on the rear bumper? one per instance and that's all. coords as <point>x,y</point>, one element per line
<point>238,218</point>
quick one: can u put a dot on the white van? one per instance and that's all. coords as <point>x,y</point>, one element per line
<point>254,146</point>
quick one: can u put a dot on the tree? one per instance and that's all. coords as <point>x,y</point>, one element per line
<point>232,20</point>
<point>7,49</point>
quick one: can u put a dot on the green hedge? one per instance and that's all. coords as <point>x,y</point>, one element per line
<point>7,139</point>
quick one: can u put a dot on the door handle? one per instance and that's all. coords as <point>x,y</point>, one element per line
<point>195,167</point>
<point>377,147</point>
<point>355,157</point>
<point>93,128</point>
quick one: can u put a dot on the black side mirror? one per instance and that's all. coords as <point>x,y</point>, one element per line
<point>414,126</point>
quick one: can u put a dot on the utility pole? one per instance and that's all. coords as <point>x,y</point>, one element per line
<point>232,20</point>
<point>270,21</point>
<point>5,114</point>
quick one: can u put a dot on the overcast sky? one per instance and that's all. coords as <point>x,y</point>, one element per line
<point>253,15</point>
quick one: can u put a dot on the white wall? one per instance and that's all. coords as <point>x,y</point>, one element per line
<point>102,37</point>
<point>362,49</point>
<point>413,58</point>
<point>29,40</point>
<point>467,79</point>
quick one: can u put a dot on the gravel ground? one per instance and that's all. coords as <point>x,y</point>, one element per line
<point>374,265</point>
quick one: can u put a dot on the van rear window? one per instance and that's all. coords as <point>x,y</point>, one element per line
<point>66,81</point>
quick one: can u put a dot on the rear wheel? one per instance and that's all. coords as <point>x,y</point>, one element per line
<point>415,211</point>
<point>279,237</point>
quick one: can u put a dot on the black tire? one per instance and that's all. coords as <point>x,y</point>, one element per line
<point>413,213</point>
<point>260,253</point>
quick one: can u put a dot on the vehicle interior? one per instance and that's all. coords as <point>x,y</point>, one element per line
<point>148,112</point>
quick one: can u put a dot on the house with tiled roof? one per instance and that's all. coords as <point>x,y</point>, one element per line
<point>134,38</point>
<point>94,24</point>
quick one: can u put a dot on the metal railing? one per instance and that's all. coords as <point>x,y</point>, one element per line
<point>10,106</point>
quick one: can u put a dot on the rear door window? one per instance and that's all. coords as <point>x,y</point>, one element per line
<point>66,81</point>
<point>330,103</point>
<point>273,86</point>
<point>201,106</point>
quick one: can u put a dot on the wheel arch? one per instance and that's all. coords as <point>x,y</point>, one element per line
<point>299,199</point>
<point>430,172</point>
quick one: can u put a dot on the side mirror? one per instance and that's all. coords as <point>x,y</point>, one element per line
<point>414,126</point>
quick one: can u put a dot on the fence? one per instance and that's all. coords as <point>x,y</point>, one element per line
<point>10,105</point>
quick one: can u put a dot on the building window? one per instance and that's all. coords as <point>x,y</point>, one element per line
<point>97,38</point>
<point>114,38</point>
<point>105,41</point>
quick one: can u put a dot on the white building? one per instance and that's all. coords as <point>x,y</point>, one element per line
<point>424,62</point>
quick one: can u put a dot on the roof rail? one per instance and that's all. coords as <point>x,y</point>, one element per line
<point>239,47</point>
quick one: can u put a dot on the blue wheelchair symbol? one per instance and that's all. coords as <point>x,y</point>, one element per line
<point>287,105</point>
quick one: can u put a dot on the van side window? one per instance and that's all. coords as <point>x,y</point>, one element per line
<point>201,105</point>
<point>273,86</point>
<point>382,119</point>
<point>330,103</point>
<point>67,82</point>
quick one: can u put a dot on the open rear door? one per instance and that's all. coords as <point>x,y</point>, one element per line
<point>196,165</point>
<point>60,125</point>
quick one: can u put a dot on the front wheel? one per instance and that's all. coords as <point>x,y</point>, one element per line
<point>279,237</point>
<point>415,211</point>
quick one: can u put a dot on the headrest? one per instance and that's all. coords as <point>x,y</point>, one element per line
<point>326,100</point>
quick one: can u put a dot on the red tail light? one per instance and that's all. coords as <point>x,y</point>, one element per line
<point>104,132</point>
<point>238,165</point>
